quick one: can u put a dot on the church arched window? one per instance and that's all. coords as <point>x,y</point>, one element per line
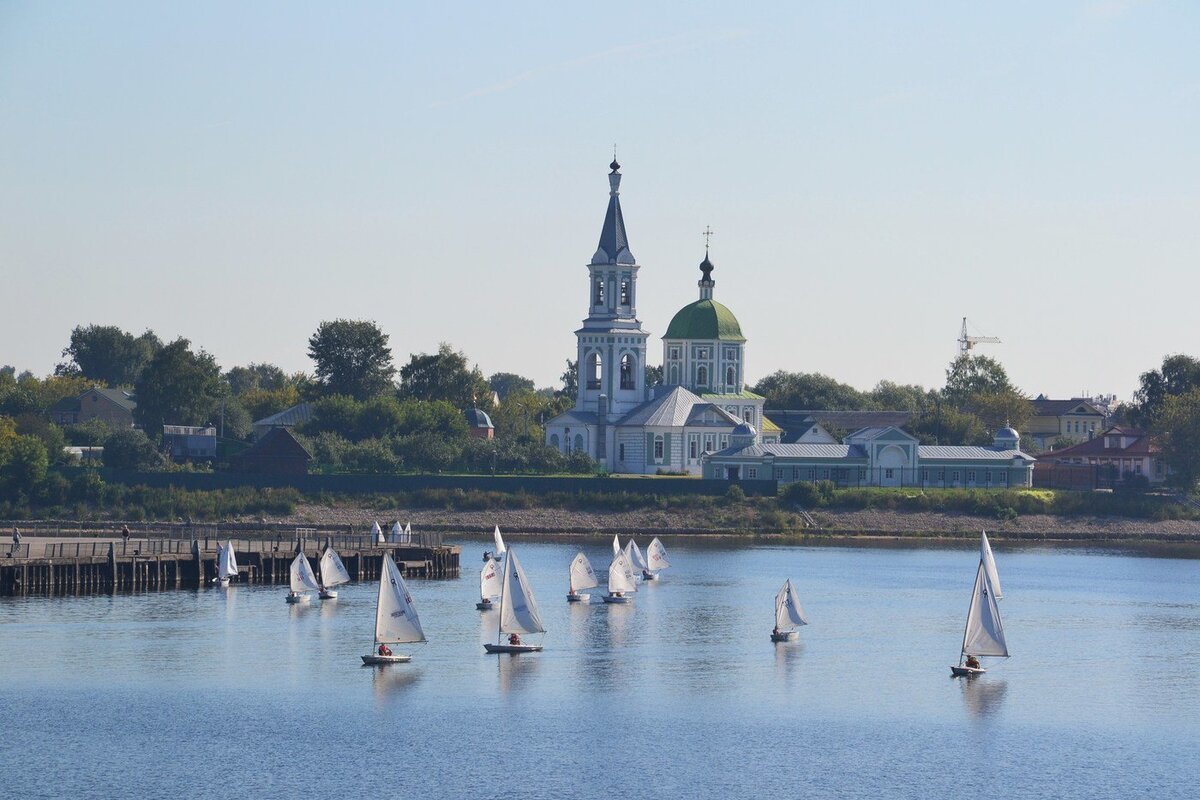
<point>598,293</point>
<point>626,296</point>
<point>674,374</point>
<point>702,376</point>
<point>627,372</point>
<point>595,369</point>
<point>554,440</point>
<point>579,442</point>
<point>729,377</point>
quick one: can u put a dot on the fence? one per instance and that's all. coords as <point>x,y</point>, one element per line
<point>919,478</point>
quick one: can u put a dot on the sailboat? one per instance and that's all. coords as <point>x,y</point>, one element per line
<point>656,560</point>
<point>616,545</point>
<point>377,533</point>
<point>408,533</point>
<point>518,611</point>
<point>788,614</point>
<point>989,564</point>
<point>489,584</point>
<point>396,532</point>
<point>634,554</point>
<point>226,563</point>
<point>301,579</point>
<point>500,550</point>
<point>582,577</point>
<point>396,620</point>
<point>333,573</point>
<point>620,579</point>
<point>984,633</point>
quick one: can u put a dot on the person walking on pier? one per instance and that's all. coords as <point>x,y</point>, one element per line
<point>16,540</point>
<point>125,534</point>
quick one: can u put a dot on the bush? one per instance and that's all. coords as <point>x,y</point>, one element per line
<point>131,449</point>
<point>807,494</point>
<point>735,494</point>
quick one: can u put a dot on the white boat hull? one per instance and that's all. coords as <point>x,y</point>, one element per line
<point>297,598</point>
<point>485,605</point>
<point>966,672</point>
<point>376,660</point>
<point>785,636</point>
<point>328,594</point>
<point>512,648</point>
<point>612,598</point>
<point>576,597</point>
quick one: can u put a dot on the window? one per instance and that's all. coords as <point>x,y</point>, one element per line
<point>987,477</point>
<point>702,352</point>
<point>702,376</point>
<point>970,476</point>
<point>778,473</point>
<point>598,293</point>
<point>825,474</point>
<point>693,446</point>
<point>752,472</point>
<point>724,440</point>
<point>554,440</point>
<point>595,370</point>
<point>924,476</point>
<point>674,352</point>
<point>674,375</point>
<point>887,473</point>
<point>941,475</point>
<point>795,473</point>
<point>729,376</point>
<point>954,477</point>
<point>579,442</point>
<point>658,447</point>
<point>862,474</point>
<point>1002,478</point>
<point>621,452</point>
<point>748,415</point>
<point>625,297</point>
<point>628,380</point>
<point>812,474</point>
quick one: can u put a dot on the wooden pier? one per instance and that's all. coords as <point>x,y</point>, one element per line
<point>70,566</point>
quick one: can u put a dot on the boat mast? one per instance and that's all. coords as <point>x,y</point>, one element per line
<point>503,596</point>
<point>967,623</point>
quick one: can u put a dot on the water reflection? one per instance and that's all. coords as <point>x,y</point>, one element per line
<point>391,679</point>
<point>787,660</point>
<point>982,696</point>
<point>516,670</point>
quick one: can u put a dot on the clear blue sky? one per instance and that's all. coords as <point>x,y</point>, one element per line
<point>236,173</point>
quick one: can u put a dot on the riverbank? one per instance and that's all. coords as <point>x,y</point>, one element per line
<point>830,523</point>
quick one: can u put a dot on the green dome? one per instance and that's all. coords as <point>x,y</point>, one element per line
<point>705,319</point>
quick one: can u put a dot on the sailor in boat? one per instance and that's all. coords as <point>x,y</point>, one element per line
<point>487,556</point>
<point>384,650</point>
<point>972,662</point>
<point>514,639</point>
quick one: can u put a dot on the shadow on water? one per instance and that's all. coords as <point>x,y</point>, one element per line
<point>982,697</point>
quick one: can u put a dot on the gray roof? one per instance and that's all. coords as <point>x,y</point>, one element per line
<point>968,453</point>
<point>1045,407</point>
<point>120,397</point>
<point>675,409</point>
<point>796,422</point>
<point>478,419</point>
<point>614,243</point>
<point>574,417</point>
<point>296,415</point>
<point>844,451</point>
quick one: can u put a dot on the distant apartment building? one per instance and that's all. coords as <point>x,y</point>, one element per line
<point>1075,420</point>
<point>112,406</point>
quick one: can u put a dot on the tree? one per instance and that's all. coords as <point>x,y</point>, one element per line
<point>1179,374</point>
<point>131,449</point>
<point>809,392</point>
<point>178,387</point>
<point>23,463</point>
<point>891,396</point>
<point>507,384</point>
<point>570,379</point>
<point>1177,425</point>
<point>256,377</point>
<point>971,375</point>
<point>654,375</point>
<point>352,357</point>
<point>232,419</point>
<point>265,402</point>
<point>945,424</point>
<point>108,355</point>
<point>999,409</point>
<point>444,375</point>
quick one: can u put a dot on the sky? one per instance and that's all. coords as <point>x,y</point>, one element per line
<point>235,173</point>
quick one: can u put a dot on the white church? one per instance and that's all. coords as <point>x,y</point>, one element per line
<point>703,421</point>
<point>617,419</point>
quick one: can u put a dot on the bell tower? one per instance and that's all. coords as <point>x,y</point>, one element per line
<point>611,345</point>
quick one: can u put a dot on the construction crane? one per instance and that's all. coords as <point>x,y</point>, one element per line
<point>966,341</point>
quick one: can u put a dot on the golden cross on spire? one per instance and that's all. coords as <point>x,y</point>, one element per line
<point>708,232</point>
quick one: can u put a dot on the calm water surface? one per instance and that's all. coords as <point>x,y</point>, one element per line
<point>233,693</point>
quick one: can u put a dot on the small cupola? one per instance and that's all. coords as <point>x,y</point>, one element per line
<point>743,435</point>
<point>1007,438</point>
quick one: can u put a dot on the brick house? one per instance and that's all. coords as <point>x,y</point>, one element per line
<point>112,406</point>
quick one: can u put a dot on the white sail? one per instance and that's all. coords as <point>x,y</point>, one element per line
<point>333,571</point>
<point>377,532</point>
<point>489,580</point>
<point>616,545</point>
<point>396,619</point>
<point>396,533</point>
<point>226,561</point>
<point>656,555</point>
<point>301,576</point>
<point>788,613</point>
<point>635,555</point>
<point>518,609</point>
<point>500,549</point>
<point>582,574</point>
<point>984,635</point>
<point>408,532</point>
<point>989,564</point>
<point>620,575</point>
